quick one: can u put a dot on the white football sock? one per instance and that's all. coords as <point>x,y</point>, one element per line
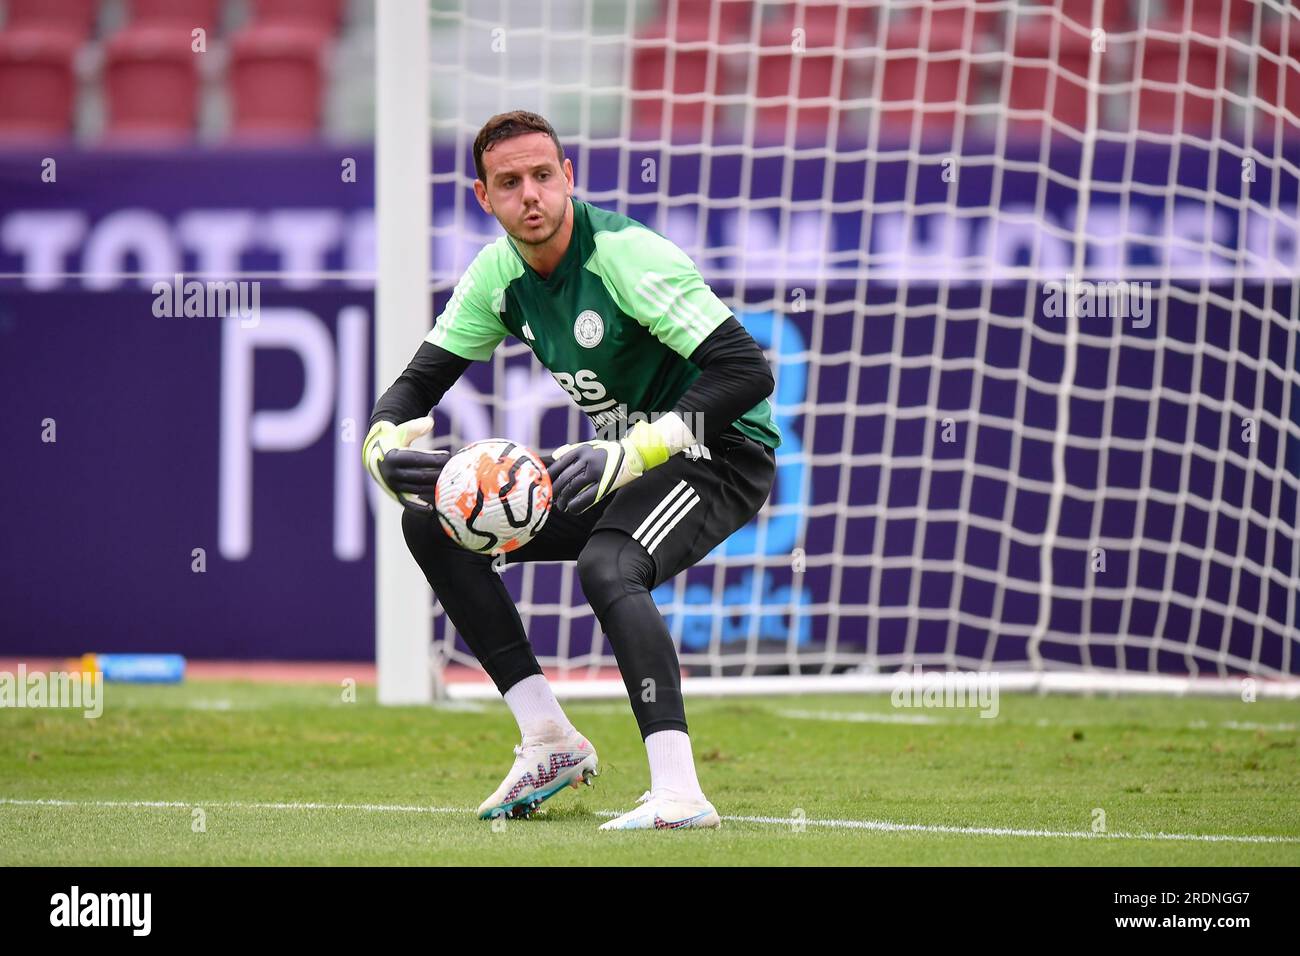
<point>672,767</point>
<point>536,710</point>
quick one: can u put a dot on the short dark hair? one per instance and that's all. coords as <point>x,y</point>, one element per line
<point>505,126</point>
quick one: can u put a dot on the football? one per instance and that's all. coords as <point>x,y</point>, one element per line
<point>493,496</point>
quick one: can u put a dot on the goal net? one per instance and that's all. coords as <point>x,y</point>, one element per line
<point>1027,277</point>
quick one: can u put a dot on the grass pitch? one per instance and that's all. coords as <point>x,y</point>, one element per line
<point>240,773</point>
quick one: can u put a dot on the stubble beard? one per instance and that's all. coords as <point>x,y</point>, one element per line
<point>540,242</point>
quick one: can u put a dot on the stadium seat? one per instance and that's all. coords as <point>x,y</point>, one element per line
<point>1267,80</point>
<point>320,15</point>
<point>1040,81</point>
<point>151,83</point>
<point>735,18</point>
<point>76,18</point>
<point>1191,61</point>
<point>275,81</point>
<point>37,83</point>
<point>187,13</point>
<point>1115,14</point>
<point>690,68</point>
<point>859,20</point>
<point>815,77</point>
<point>906,64</point>
<point>1241,13</point>
<point>690,72</point>
<point>979,19</point>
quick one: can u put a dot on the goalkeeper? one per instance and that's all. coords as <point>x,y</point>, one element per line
<point>622,319</point>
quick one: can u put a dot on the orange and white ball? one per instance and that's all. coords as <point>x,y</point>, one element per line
<point>493,496</point>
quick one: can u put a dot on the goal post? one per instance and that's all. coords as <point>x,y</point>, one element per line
<point>1027,274</point>
<point>402,318</point>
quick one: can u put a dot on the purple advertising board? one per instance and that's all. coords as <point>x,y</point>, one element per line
<point>145,446</point>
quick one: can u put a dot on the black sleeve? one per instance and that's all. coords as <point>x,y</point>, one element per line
<point>432,371</point>
<point>735,376</point>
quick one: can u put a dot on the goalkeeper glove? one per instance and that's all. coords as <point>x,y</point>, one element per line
<point>585,473</point>
<point>408,475</point>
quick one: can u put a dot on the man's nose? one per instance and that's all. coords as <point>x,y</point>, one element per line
<point>532,192</point>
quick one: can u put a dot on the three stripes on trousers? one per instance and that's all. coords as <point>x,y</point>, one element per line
<point>666,516</point>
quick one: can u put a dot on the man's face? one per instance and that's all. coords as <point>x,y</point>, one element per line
<point>527,187</point>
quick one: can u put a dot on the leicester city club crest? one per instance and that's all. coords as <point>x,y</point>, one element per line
<point>589,329</point>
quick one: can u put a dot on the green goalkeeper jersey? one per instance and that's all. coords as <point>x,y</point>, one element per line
<point>615,323</point>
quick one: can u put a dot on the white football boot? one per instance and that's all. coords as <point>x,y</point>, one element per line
<point>544,765</point>
<point>665,810</point>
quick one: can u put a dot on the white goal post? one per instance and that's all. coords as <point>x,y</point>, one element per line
<point>402,318</point>
<point>1028,274</point>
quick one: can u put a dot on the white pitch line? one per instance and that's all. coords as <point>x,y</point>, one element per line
<point>873,717</point>
<point>885,826</point>
<point>1248,725</point>
<point>881,826</point>
<point>863,717</point>
<point>228,805</point>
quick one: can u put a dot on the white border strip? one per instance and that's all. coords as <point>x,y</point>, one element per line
<point>1007,682</point>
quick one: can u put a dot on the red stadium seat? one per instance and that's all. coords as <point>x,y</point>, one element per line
<point>276,81</point>
<point>1283,91</point>
<point>151,82</point>
<point>1115,14</point>
<point>1191,62</point>
<point>912,73</point>
<point>187,13</point>
<point>654,86</point>
<point>1241,13</point>
<point>690,72</point>
<point>37,83</point>
<point>1040,81</point>
<point>815,77</point>
<point>320,15</point>
<point>974,18</point>
<point>76,18</point>
<point>735,18</point>
<point>822,17</point>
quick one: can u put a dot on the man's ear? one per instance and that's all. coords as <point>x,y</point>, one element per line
<point>568,173</point>
<point>480,193</point>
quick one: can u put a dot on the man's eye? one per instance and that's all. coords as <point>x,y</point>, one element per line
<point>508,184</point>
<point>543,175</point>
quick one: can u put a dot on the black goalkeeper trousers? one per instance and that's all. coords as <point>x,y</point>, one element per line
<point>627,545</point>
